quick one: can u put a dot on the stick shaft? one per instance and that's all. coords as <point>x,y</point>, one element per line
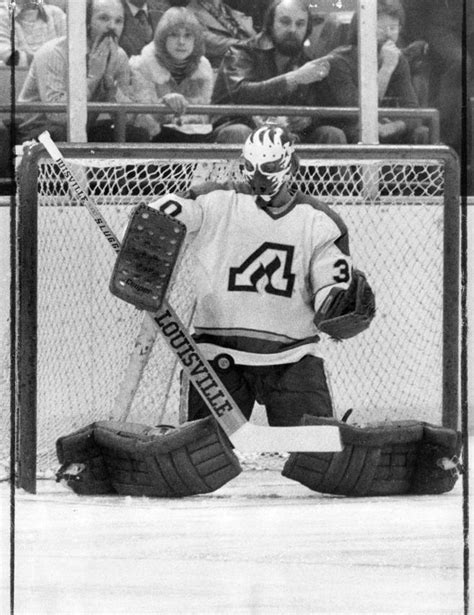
<point>146,338</point>
<point>91,207</point>
<point>200,372</point>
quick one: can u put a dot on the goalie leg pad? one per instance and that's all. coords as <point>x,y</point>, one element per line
<point>388,459</point>
<point>195,458</point>
<point>83,467</point>
<point>438,465</point>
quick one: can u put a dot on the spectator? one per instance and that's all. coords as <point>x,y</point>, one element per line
<point>173,70</point>
<point>223,27</point>
<point>395,88</point>
<point>440,24</point>
<point>255,10</point>
<point>35,24</point>
<point>330,30</point>
<point>140,20</point>
<point>108,76</point>
<point>272,69</point>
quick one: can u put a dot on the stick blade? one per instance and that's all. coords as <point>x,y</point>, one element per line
<point>311,438</point>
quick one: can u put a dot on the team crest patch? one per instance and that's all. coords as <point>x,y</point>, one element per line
<point>267,269</point>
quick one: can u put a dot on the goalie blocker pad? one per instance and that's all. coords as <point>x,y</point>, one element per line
<point>110,457</point>
<point>147,258</point>
<point>406,457</point>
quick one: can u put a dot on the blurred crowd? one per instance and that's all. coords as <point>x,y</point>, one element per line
<point>241,52</point>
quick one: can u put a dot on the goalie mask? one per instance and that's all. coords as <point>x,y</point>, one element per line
<point>269,161</point>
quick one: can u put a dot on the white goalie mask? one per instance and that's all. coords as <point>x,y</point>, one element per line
<point>269,159</point>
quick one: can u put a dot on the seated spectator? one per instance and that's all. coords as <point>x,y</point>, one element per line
<point>108,76</point>
<point>330,30</point>
<point>417,55</point>
<point>272,69</point>
<point>254,9</point>
<point>173,70</point>
<point>395,88</point>
<point>35,24</point>
<point>440,24</point>
<point>140,20</point>
<point>223,27</point>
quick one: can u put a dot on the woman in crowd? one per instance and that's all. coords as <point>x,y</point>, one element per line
<point>173,70</point>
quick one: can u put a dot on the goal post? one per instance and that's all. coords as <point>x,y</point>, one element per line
<point>74,339</point>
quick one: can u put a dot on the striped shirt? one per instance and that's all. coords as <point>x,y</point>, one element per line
<point>33,28</point>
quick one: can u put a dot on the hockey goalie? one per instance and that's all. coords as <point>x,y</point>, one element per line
<point>273,273</point>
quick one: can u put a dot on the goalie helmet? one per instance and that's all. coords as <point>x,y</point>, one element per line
<point>269,160</point>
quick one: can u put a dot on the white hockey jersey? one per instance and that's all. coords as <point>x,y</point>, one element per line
<point>258,275</point>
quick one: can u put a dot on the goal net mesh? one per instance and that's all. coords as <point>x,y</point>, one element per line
<point>394,210</point>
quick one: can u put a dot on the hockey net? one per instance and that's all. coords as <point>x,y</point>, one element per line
<point>399,204</point>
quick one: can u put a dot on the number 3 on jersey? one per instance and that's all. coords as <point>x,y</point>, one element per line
<point>342,271</point>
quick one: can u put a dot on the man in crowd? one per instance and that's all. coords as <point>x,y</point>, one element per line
<point>223,26</point>
<point>449,33</point>
<point>255,10</point>
<point>395,87</point>
<point>272,69</point>
<point>140,19</point>
<point>108,76</point>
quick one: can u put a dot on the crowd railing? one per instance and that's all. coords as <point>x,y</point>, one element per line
<point>120,111</point>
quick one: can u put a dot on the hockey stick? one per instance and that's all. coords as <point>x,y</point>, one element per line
<point>244,436</point>
<point>138,360</point>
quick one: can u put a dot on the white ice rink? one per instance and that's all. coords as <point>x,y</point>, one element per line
<point>262,544</point>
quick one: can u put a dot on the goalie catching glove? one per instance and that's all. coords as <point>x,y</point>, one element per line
<point>345,313</point>
<point>407,457</point>
<point>111,457</point>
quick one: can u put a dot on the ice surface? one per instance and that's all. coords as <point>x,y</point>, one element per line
<point>262,544</point>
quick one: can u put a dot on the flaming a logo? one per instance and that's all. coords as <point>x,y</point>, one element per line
<point>267,269</point>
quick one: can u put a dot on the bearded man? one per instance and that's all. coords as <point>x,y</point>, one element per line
<point>271,68</point>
